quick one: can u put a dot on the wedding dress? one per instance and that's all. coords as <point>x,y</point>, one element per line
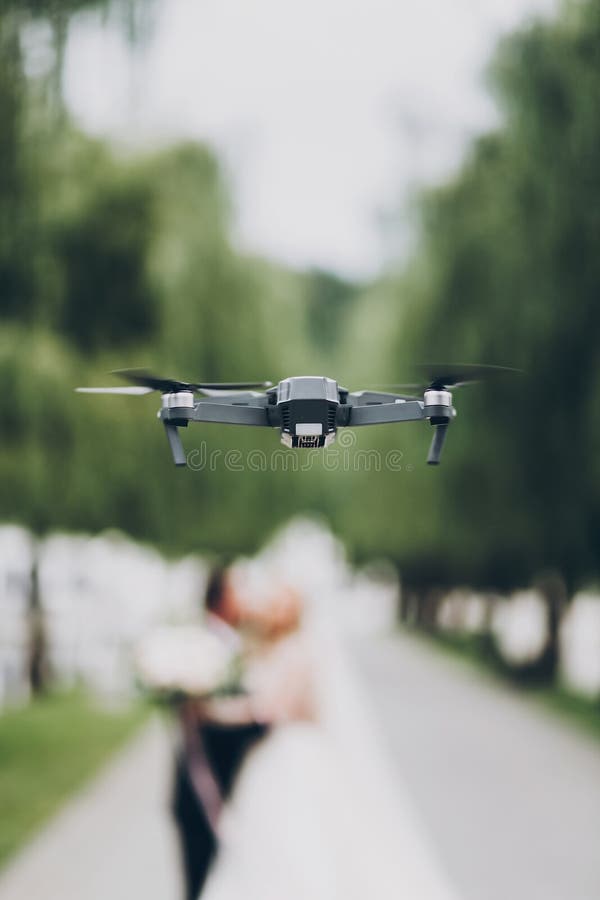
<point>318,813</point>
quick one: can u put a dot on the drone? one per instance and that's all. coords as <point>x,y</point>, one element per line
<point>307,410</point>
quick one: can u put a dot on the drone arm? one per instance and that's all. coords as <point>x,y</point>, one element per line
<point>382,413</point>
<point>373,398</point>
<point>229,413</point>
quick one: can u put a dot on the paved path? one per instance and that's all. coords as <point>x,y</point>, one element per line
<point>485,786</point>
<point>509,794</point>
<point>113,842</point>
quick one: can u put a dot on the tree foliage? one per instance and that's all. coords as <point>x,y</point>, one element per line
<point>107,261</point>
<point>508,272</point>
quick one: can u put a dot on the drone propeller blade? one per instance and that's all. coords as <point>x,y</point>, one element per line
<point>146,379</point>
<point>168,385</point>
<point>448,376</point>
<point>451,376</point>
<point>437,443</point>
<point>133,391</point>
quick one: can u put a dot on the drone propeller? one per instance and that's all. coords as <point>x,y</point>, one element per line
<point>134,391</point>
<point>437,381</point>
<point>456,376</point>
<point>438,377</point>
<point>144,383</point>
<point>169,385</point>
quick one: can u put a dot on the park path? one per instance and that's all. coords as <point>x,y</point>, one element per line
<point>509,794</point>
<point>112,842</point>
<point>490,797</point>
<point>115,840</point>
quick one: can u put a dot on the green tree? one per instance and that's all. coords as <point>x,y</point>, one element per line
<point>507,272</point>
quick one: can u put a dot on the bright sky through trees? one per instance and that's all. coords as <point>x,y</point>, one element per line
<point>325,111</point>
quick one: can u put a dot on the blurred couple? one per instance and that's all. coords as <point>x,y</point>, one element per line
<point>219,732</point>
<point>282,789</point>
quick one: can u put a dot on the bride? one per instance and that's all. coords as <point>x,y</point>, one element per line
<point>282,790</point>
<point>313,814</point>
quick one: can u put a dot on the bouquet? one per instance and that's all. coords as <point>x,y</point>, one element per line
<point>177,661</point>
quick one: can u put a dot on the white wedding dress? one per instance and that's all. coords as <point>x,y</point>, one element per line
<point>318,813</point>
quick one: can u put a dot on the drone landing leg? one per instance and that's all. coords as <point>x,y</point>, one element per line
<point>175,444</point>
<point>437,442</point>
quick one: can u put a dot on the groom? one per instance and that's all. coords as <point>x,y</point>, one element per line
<point>215,737</point>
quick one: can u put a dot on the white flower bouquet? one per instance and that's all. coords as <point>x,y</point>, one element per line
<point>187,661</point>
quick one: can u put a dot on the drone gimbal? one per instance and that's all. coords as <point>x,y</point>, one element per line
<point>307,410</point>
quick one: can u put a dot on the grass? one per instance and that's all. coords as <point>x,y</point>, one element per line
<point>578,710</point>
<point>581,711</point>
<point>48,749</point>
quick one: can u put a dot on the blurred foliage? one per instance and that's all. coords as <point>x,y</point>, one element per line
<point>109,260</point>
<point>329,300</point>
<point>507,272</point>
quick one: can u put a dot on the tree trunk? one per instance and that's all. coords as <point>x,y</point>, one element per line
<point>37,663</point>
<point>553,589</point>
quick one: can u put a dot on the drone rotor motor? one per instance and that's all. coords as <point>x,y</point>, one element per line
<point>178,400</point>
<point>438,406</point>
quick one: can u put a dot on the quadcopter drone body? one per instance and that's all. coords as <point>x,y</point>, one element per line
<point>307,410</point>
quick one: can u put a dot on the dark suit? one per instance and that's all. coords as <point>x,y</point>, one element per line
<point>220,748</point>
